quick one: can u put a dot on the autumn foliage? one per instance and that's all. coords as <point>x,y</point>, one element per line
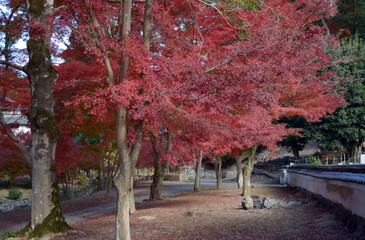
<point>229,78</point>
<point>216,75</point>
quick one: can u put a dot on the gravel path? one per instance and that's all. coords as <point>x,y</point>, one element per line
<point>211,214</point>
<point>95,205</point>
<point>214,214</point>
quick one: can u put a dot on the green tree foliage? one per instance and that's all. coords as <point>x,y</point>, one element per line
<point>350,17</point>
<point>345,129</point>
<point>313,161</point>
<point>294,142</point>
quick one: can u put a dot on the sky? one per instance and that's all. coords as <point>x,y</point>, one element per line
<point>21,44</point>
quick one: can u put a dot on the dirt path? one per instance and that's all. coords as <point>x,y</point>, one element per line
<point>216,214</point>
<point>95,205</point>
<point>209,215</point>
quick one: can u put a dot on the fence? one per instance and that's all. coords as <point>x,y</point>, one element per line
<point>336,159</point>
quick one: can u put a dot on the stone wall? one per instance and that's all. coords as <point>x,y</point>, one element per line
<point>350,195</point>
<point>9,206</point>
<point>188,173</point>
<point>343,192</point>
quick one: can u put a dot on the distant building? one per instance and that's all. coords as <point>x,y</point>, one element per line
<point>17,117</point>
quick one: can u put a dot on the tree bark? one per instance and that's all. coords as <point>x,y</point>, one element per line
<point>100,176</point>
<point>356,151</point>
<point>180,176</point>
<point>247,172</point>
<point>197,187</point>
<point>107,188</point>
<point>218,171</point>
<point>156,185</point>
<point>160,167</point>
<point>147,29</point>
<point>112,171</point>
<point>46,215</point>
<point>122,219</point>
<point>296,153</point>
<point>239,177</point>
<point>132,203</point>
<point>128,155</point>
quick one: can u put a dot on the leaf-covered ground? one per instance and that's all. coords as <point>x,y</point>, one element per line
<point>218,215</point>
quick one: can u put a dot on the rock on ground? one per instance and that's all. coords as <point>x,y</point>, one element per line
<point>247,203</point>
<point>270,203</point>
<point>292,204</point>
<point>257,202</point>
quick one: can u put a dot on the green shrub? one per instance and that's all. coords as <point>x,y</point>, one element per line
<point>83,180</point>
<point>7,234</point>
<point>313,161</point>
<point>14,194</point>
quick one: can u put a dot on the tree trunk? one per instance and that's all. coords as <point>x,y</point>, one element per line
<point>107,188</point>
<point>160,168</point>
<point>147,29</point>
<point>247,172</point>
<point>218,171</point>
<point>122,219</point>
<point>111,171</point>
<point>296,153</point>
<point>356,151</point>
<point>198,167</point>
<point>128,155</point>
<point>108,180</point>
<point>156,185</point>
<point>239,177</point>
<point>159,173</point>
<point>180,174</point>
<point>46,215</point>
<point>101,177</point>
<point>132,203</point>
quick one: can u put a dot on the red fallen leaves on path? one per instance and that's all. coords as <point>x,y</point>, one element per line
<point>217,215</point>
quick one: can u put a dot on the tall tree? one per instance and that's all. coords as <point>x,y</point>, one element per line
<point>229,75</point>
<point>345,129</point>
<point>46,215</point>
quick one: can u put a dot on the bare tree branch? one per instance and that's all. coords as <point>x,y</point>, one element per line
<point>58,9</point>
<point>219,11</point>
<point>326,26</point>
<point>197,28</point>
<point>15,66</point>
<point>110,79</point>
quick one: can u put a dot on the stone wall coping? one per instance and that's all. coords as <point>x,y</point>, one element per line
<point>332,175</point>
<point>352,168</point>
